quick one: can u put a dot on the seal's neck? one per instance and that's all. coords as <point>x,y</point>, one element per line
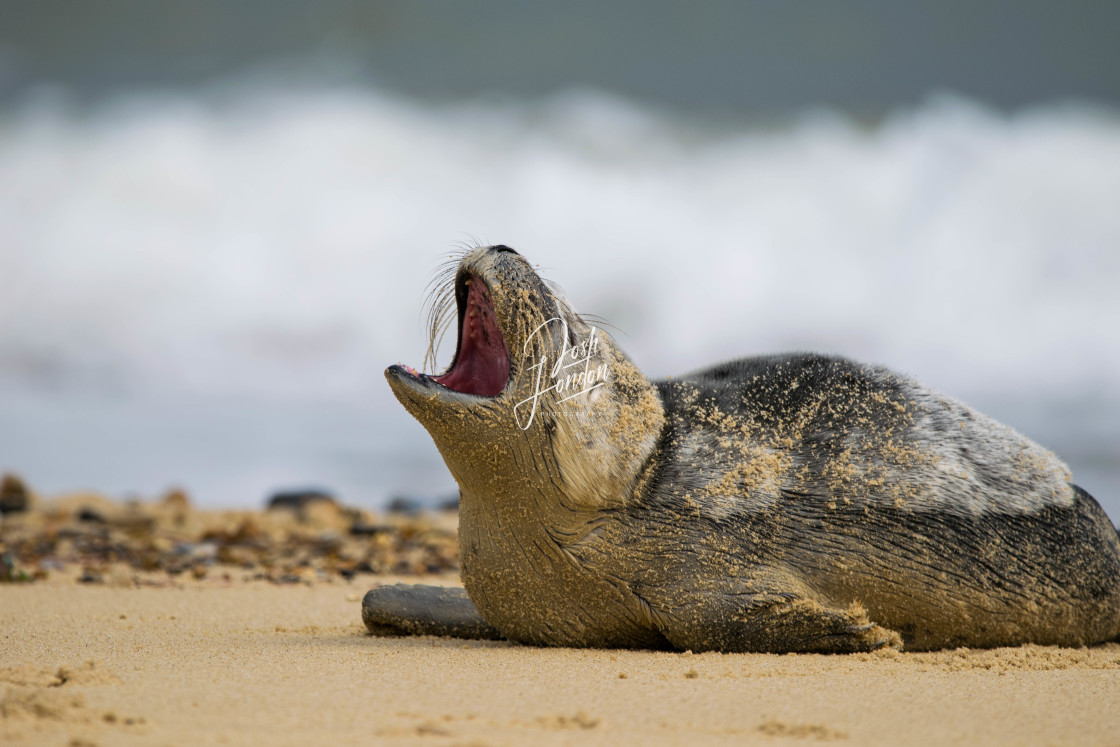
<point>583,454</point>
<point>529,496</point>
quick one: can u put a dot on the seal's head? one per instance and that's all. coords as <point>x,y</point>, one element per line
<point>537,403</point>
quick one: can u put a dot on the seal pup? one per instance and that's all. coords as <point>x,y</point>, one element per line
<point>784,503</point>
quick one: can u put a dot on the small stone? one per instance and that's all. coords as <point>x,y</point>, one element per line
<point>296,500</point>
<point>403,504</point>
<point>14,496</point>
<point>432,729</point>
<point>361,529</point>
<point>321,514</point>
<point>247,533</point>
<point>90,515</point>
<point>90,577</point>
<point>200,552</point>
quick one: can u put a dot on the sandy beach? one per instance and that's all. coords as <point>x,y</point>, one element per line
<point>251,652</point>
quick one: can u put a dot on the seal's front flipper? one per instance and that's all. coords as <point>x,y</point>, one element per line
<point>794,625</point>
<point>806,627</point>
<point>415,609</point>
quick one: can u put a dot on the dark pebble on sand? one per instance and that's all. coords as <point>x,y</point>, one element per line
<point>14,495</point>
<point>404,505</point>
<point>284,547</point>
<point>90,516</point>
<point>361,529</point>
<point>298,499</point>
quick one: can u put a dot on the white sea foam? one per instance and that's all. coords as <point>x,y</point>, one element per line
<point>254,251</point>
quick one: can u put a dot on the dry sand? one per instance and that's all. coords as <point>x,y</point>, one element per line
<point>252,663</point>
<point>150,651</point>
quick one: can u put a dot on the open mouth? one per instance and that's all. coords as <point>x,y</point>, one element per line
<point>481,365</point>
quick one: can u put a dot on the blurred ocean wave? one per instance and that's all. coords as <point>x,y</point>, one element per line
<point>204,288</point>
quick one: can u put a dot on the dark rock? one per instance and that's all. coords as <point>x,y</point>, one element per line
<point>90,515</point>
<point>296,500</point>
<point>404,505</point>
<point>14,495</point>
<point>361,529</point>
<point>412,504</point>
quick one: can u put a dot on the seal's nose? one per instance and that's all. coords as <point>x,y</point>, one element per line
<point>503,248</point>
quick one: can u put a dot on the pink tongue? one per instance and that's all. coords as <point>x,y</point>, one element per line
<point>482,365</point>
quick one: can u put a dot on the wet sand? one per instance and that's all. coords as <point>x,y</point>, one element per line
<point>232,654</point>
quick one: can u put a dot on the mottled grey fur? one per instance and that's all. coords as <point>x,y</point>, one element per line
<point>788,503</point>
<point>978,539</point>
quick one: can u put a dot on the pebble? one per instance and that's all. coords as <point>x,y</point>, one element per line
<point>14,495</point>
<point>90,515</point>
<point>280,546</point>
<point>298,499</point>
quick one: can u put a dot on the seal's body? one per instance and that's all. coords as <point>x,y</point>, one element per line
<point>783,503</point>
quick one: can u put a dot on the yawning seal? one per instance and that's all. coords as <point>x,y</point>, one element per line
<point>781,503</point>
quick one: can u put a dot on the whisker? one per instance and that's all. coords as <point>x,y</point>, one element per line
<point>440,304</point>
<point>594,320</point>
<point>589,319</point>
